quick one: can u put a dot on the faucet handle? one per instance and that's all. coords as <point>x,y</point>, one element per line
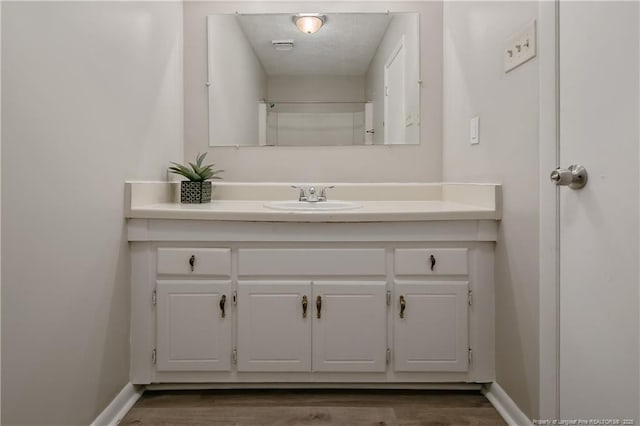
<point>303,195</point>
<point>323,196</point>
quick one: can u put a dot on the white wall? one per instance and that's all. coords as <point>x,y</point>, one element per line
<point>238,82</point>
<point>507,104</point>
<point>401,25</point>
<point>92,96</point>
<point>351,164</point>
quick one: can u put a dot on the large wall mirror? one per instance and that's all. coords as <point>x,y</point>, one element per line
<point>313,79</point>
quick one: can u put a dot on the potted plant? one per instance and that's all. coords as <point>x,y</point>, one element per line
<point>197,189</point>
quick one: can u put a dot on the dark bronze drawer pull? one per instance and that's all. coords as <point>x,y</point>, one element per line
<point>305,303</point>
<point>223,301</point>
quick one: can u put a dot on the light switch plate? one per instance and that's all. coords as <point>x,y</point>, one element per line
<point>520,48</point>
<point>474,131</point>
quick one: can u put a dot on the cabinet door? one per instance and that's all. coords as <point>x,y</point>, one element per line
<point>432,334</point>
<point>274,334</point>
<point>193,334</point>
<point>350,334</point>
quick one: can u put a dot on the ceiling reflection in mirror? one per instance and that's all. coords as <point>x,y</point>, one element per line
<point>349,79</point>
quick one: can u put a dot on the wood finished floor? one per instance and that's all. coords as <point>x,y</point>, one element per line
<point>312,407</point>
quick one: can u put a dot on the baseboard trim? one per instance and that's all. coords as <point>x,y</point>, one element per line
<point>314,386</point>
<point>503,403</point>
<point>119,407</point>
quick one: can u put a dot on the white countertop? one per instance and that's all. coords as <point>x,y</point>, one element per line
<point>397,202</point>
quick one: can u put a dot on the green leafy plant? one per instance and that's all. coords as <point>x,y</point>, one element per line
<point>197,172</point>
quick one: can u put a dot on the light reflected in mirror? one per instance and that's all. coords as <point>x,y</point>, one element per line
<point>354,81</point>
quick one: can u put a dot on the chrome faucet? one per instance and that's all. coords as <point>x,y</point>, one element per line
<point>311,195</point>
<point>323,196</point>
<point>303,195</point>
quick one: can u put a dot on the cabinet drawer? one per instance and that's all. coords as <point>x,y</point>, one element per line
<point>435,261</point>
<point>311,262</point>
<point>194,261</point>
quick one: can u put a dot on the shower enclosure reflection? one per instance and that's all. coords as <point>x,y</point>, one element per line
<point>353,82</point>
<point>316,123</point>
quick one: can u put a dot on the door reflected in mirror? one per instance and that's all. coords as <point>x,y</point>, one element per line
<point>338,79</point>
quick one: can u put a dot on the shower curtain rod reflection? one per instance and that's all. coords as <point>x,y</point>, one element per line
<point>314,102</point>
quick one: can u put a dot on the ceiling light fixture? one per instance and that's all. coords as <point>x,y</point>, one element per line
<point>309,22</point>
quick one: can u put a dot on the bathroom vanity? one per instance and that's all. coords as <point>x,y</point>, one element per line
<point>396,291</point>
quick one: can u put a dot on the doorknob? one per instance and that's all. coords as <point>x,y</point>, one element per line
<point>575,176</point>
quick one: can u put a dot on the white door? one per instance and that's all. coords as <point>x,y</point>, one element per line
<point>430,331</point>
<point>599,119</point>
<point>274,332</point>
<point>349,324</point>
<point>194,326</point>
<point>394,94</point>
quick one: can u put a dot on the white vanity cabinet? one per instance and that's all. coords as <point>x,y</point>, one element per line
<point>430,324</point>
<point>293,326</point>
<point>192,311</point>
<point>310,303</point>
<point>304,323</point>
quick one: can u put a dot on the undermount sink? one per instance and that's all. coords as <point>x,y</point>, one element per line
<point>310,206</point>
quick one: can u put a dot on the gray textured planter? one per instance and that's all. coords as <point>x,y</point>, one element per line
<point>195,192</point>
